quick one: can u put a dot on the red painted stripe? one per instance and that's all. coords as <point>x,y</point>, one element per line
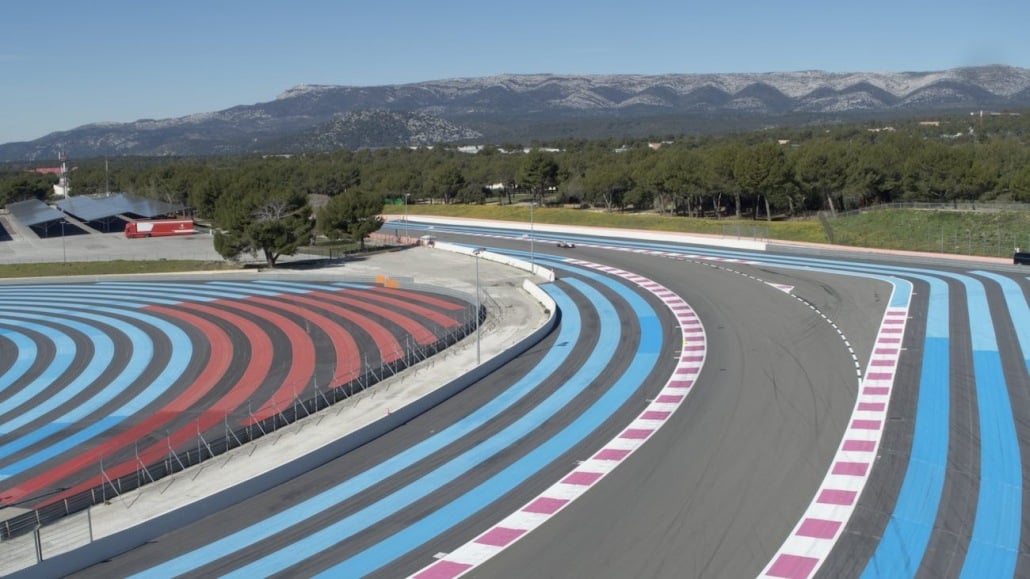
<point>388,346</point>
<point>818,528</point>
<point>407,305</point>
<point>259,363</point>
<point>443,570</point>
<point>221,354</point>
<point>865,424</point>
<point>545,505</point>
<point>500,536</point>
<point>837,497</point>
<point>436,302</point>
<point>850,468</point>
<point>636,433</point>
<point>302,358</point>
<point>581,478</point>
<point>879,376</point>
<point>613,454</point>
<point>420,333</point>
<point>859,445</point>
<point>793,566</point>
<point>348,355</point>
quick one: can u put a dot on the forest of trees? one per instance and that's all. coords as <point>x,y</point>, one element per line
<point>775,173</point>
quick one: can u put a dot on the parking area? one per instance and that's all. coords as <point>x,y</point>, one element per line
<point>24,246</point>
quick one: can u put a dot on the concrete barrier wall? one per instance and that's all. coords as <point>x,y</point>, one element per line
<point>637,234</point>
<point>540,271</point>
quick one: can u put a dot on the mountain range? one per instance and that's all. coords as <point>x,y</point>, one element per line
<point>520,107</point>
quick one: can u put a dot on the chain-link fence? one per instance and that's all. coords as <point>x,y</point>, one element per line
<point>47,531</point>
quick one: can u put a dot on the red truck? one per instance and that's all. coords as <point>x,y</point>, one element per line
<point>158,228</point>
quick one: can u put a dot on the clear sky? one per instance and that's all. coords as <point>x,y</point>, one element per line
<point>66,63</point>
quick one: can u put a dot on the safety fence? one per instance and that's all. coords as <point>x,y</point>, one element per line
<point>52,525</point>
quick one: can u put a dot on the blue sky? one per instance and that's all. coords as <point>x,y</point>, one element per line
<point>67,63</point>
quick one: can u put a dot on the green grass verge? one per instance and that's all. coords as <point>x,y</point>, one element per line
<point>809,231</point>
<point>986,233</point>
<point>110,267</point>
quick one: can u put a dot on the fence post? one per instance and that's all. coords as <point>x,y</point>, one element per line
<point>39,544</point>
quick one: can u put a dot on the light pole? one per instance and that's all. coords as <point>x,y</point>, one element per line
<point>406,195</point>
<point>64,250</point>
<point>476,253</point>
<point>532,255</point>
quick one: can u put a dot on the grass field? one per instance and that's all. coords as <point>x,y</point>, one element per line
<point>986,233</point>
<point>110,267</point>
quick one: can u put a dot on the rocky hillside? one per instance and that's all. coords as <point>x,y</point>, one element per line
<point>320,117</point>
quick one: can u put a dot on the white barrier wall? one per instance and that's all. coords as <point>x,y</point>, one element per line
<point>638,234</point>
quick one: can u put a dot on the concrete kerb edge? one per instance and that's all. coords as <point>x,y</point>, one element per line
<point>119,542</point>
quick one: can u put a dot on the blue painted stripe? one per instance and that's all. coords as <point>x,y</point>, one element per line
<point>904,541</point>
<point>985,367</point>
<point>255,289</point>
<point>994,546</point>
<point>609,335</point>
<point>71,296</point>
<point>64,355</point>
<point>1016,302</point>
<point>457,511</point>
<point>27,353</point>
<point>569,331</point>
<point>27,405</point>
<point>181,349</point>
<point>183,292</point>
<point>298,286</point>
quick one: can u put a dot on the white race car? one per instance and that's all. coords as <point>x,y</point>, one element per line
<point>563,243</point>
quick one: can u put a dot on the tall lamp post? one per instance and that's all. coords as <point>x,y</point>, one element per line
<point>406,195</point>
<point>64,250</point>
<point>476,253</point>
<point>532,255</point>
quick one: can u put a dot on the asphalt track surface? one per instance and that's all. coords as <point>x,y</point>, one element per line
<point>724,480</point>
<point>719,488</point>
<point>123,373</point>
<point>598,334</point>
<point>944,497</point>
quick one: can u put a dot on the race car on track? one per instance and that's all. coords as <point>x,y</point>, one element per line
<point>563,243</point>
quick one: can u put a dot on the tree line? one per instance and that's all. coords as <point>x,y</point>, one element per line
<point>774,173</point>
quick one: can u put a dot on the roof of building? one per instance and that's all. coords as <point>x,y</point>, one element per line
<point>96,208</point>
<point>33,212</point>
